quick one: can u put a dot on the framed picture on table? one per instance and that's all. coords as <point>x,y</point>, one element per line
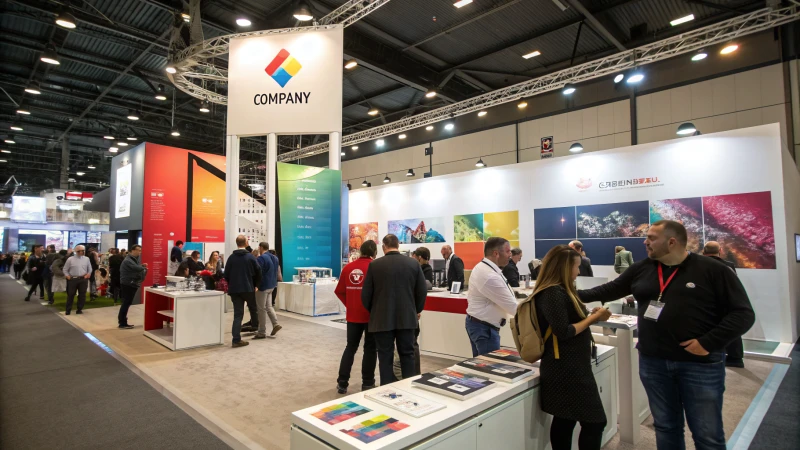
<point>456,287</point>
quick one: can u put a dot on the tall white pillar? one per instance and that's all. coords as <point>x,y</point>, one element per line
<point>231,194</point>
<point>272,186</point>
<point>335,151</point>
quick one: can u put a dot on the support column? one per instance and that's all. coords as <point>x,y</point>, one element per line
<point>231,193</point>
<point>335,151</point>
<point>634,123</point>
<point>272,186</point>
<point>63,181</point>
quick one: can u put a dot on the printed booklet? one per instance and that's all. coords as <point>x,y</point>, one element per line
<point>404,402</point>
<point>494,370</point>
<point>453,384</point>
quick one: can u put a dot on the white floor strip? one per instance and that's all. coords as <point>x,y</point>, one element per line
<point>748,426</point>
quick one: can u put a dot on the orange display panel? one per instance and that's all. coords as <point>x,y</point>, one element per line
<point>469,252</point>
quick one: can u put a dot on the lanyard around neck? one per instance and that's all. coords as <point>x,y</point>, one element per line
<point>661,281</point>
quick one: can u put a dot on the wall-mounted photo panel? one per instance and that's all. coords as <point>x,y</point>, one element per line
<point>542,246</point>
<point>601,251</point>
<point>418,231</point>
<point>468,228</point>
<point>688,211</point>
<point>612,220</point>
<point>469,252</point>
<point>742,224</point>
<point>501,224</point>
<point>360,233</point>
<point>554,223</point>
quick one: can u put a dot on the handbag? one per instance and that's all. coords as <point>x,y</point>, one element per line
<point>222,285</point>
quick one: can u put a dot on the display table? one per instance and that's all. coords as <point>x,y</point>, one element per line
<point>507,416</point>
<point>194,318</point>
<point>309,299</point>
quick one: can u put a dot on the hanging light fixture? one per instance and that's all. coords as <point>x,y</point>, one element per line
<point>355,147</point>
<point>109,135</point>
<point>243,22</point>
<point>186,17</point>
<point>80,174</point>
<point>522,105</point>
<point>122,144</point>
<point>34,88</point>
<point>569,89</point>
<point>430,94</point>
<point>635,77</point>
<point>65,20</point>
<point>91,166</point>
<point>342,153</point>
<point>5,151</point>
<point>349,186</point>
<point>175,132</point>
<point>387,179</point>
<point>449,126</point>
<point>379,142</point>
<point>729,48</point>
<point>204,107</point>
<point>576,147</point>
<point>619,77</point>
<point>482,113</point>
<point>364,183</point>
<point>429,127</point>
<point>10,139</point>
<point>350,64</point>
<point>480,163</point>
<point>686,129</point>
<point>171,68</point>
<point>113,149</point>
<point>133,115</point>
<point>410,173</point>
<point>373,112</point>
<point>131,137</point>
<point>160,94</point>
<point>16,128</point>
<point>50,56</point>
<point>24,112</point>
<point>302,11</point>
<point>699,56</point>
<point>402,136</point>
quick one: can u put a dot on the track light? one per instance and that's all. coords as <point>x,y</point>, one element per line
<point>373,112</point>
<point>576,147</point>
<point>133,115</point>
<point>91,166</point>
<point>10,140</point>
<point>302,12</point>
<point>349,186</point>
<point>449,126</point>
<point>480,163</point>
<point>728,49</point>
<point>364,183</point>
<point>50,56</point>
<point>24,112</point>
<point>379,142</point>
<point>402,136</point>
<point>186,17</point>
<point>387,179</point>
<point>635,77</point>
<point>175,132</point>
<point>171,68</point>
<point>482,113</point>
<point>80,174</point>
<point>16,128</point>
<point>204,107</point>
<point>34,88</point>
<point>242,22</point>
<point>350,64</point>
<point>113,149</point>
<point>619,77</point>
<point>523,104</point>
<point>568,89</point>
<point>429,127</point>
<point>686,129</point>
<point>355,147</point>
<point>430,94</point>
<point>122,144</point>
<point>681,20</point>
<point>410,173</point>
<point>131,137</point>
<point>701,55</point>
<point>65,20</point>
<point>160,93</point>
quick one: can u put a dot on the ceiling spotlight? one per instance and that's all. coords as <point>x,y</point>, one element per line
<point>355,147</point>
<point>34,88</point>
<point>681,20</point>
<point>10,140</point>
<point>16,128</point>
<point>430,94</point>
<point>576,147</point>
<point>342,152</point>
<point>349,186</point>
<point>449,126</point>
<point>369,185</point>
<point>686,129</point>
<point>5,151</point>
<point>113,149</point>
<point>109,137</point>
<point>701,55</point>
<point>131,137</point>
<point>242,22</point>
<point>80,174</point>
<point>482,113</point>
<point>50,56</point>
<point>302,12</point>
<point>364,183</point>
<point>24,112</point>
<point>186,17</point>
<point>635,77</point>
<point>429,127</point>
<point>350,64</point>
<point>410,173</point>
<point>480,163</point>
<point>379,142</point>
<point>619,77</point>
<point>122,144</point>
<point>373,112</point>
<point>523,104</point>
<point>91,166</point>
<point>568,89</point>
<point>160,93</point>
<point>730,48</point>
<point>532,54</point>
<point>462,3</point>
<point>175,132</point>
<point>171,69</point>
<point>65,20</point>
<point>402,136</point>
<point>204,107</point>
<point>133,115</point>
<point>387,179</point>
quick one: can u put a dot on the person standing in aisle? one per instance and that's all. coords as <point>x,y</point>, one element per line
<point>348,290</point>
<point>19,265</point>
<point>489,298</point>
<point>59,281</point>
<point>36,266</point>
<point>114,264</point>
<point>394,293</point>
<point>569,391</point>
<point>131,275</point>
<point>175,257</point>
<point>77,271</point>
<point>243,274</point>
<point>510,271</point>
<point>280,275</point>
<point>48,272</point>
<point>690,308</point>
<point>586,263</point>
<point>95,262</point>
<point>734,352</point>
<point>423,256</point>
<point>269,280</point>
<point>622,259</point>
<point>453,267</point>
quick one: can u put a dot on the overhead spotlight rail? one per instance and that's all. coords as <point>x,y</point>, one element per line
<point>763,19</point>
<point>192,63</point>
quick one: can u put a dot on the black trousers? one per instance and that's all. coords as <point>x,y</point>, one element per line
<point>115,288</point>
<point>239,300</point>
<point>561,434</point>
<point>36,281</point>
<point>127,293</point>
<point>735,350</point>
<point>386,341</point>
<point>78,285</point>
<point>368,361</point>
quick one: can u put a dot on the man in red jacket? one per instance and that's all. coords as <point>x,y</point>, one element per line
<point>349,292</point>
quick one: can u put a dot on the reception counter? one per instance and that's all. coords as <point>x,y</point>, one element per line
<point>310,299</point>
<point>184,319</point>
<point>506,416</point>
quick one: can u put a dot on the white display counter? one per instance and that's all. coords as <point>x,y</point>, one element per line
<point>508,416</point>
<point>192,318</point>
<point>310,299</point>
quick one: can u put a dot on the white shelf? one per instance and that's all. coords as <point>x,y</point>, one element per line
<point>163,336</point>
<point>167,312</point>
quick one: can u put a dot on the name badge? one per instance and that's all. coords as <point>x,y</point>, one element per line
<point>654,310</point>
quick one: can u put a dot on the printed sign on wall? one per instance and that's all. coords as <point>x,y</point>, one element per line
<point>123,192</point>
<point>273,80</point>
<point>547,147</point>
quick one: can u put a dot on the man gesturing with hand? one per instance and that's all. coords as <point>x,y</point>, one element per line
<point>690,308</point>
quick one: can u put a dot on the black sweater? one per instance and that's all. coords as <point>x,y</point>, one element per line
<point>704,301</point>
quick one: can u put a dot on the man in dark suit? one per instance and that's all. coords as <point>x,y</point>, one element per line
<point>735,350</point>
<point>454,266</point>
<point>585,269</point>
<point>394,293</point>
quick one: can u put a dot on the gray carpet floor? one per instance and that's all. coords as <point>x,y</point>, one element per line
<point>779,429</point>
<point>58,390</point>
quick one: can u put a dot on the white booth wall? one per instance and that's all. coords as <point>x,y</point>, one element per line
<point>733,162</point>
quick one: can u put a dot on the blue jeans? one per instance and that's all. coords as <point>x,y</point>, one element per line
<point>674,387</point>
<point>483,338</point>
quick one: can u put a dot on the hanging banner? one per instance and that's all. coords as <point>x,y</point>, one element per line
<point>286,83</point>
<point>547,147</point>
<point>123,192</point>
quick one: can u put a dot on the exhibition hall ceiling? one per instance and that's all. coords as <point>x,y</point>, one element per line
<point>112,67</point>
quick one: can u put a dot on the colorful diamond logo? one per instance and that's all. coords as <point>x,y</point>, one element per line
<point>283,67</point>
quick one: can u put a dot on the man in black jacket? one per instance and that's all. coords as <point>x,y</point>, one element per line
<point>394,293</point>
<point>454,267</point>
<point>690,308</point>
<point>114,263</point>
<point>585,269</point>
<point>36,265</point>
<point>510,270</point>
<point>734,352</point>
<point>423,256</point>
<point>48,274</point>
<point>243,274</point>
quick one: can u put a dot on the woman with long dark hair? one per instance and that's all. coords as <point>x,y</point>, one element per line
<point>569,390</point>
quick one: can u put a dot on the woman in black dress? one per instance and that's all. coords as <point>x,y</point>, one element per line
<point>569,391</point>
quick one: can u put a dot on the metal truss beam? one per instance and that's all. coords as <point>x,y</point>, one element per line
<point>763,19</point>
<point>351,12</point>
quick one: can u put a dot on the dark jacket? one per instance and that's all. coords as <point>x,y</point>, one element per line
<point>176,255</point>
<point>427,271</point>
<point>727,263</point>
<point>242,272</point>
<point>269,271</point>
<point>195,266</point>
<point>455,272</point>
<point>114,263</point>
<point>38,263</point>
<point>131,272</point>
<point>511,273</point>
<point>394,293</point>
<point>48,262</point>
<point>586,267</point>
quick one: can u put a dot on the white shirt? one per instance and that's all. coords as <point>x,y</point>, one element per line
<point>489,297</point>
<point>77,266</point>
<point>447,263</point>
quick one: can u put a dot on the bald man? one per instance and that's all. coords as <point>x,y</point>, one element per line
<point>735,350</point>
<point>243,275</point>
<point>453,266</point>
